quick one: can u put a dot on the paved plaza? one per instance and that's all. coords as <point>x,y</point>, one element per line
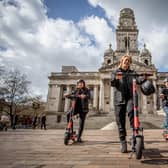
<point>100,149</point>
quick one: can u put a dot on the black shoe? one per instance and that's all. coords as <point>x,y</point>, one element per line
<point>123,146</point>
<point>79,140</point>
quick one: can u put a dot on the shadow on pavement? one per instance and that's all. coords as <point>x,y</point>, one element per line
<point>156,161</point>
<point>85,143</point>
<point>153,156</point>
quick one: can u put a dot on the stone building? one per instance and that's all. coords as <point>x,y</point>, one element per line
<point>99,82</point>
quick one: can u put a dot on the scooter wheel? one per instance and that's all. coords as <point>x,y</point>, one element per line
<point>143,146</point>
<point>138,147</point>
<point>66,138</point>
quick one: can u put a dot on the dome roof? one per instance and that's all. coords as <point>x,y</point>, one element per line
<point>145,51</point>
<point>127,12</point>
<point>108,51</point>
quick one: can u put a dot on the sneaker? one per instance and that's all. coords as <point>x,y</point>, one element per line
<point>123,146</point>
<point>79,140</point>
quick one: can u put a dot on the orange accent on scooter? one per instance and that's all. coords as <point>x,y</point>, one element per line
<point>136,122</point>
<point>69,124</point>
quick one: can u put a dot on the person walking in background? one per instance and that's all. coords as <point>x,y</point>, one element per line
<point>43,121</point>
<point>164,97</point>
<point>39,121</point>
<point>34,122</point>
<point>4,121</point>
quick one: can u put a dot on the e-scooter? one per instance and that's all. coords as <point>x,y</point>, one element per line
<point>70,134</point>
<point>137,140</point>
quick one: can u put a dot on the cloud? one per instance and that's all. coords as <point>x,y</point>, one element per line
<point>157,41</point>
<point>38,45</point>
<point>151,19</point>
<point>99,29</point>
<point>143,10</point>
<point>111,13</point>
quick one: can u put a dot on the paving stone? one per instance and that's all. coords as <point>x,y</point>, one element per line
<point>101,149</point>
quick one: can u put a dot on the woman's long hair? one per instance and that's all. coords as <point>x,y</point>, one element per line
<point>122,58</point>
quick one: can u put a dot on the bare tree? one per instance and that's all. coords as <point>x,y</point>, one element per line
<point>1,79</point>
<point>2,88</point>
<point>15,92</point>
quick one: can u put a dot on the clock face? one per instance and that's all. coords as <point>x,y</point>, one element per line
<point>126,22</point>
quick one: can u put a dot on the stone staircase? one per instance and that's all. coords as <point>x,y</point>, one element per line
<point>148,121</point>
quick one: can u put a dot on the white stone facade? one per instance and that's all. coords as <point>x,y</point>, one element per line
<point>99,82</point>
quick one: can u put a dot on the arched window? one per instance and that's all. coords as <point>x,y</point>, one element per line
<point>108,61</point>
<point>127,43</point>
<point>146,62</point>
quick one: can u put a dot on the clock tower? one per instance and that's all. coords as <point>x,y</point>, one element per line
<point>127,35</point>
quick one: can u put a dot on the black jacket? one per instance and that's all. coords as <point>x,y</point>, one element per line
<point>165,99</point>
<point>82,105</point>
<point>123,88</point>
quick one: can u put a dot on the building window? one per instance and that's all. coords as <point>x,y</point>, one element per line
<point>127,43</point>
<point>108,61</point>
<point>146,62</point>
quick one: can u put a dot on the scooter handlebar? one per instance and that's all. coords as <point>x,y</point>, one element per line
<point>134,74</point>
<point>72,96</point>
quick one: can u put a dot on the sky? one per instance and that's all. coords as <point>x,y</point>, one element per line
<point>39,36</point>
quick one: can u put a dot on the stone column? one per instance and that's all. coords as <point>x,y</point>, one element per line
<point>101,96</point>
<point>49,91</point>
<point>111,100</point>
<point>155,98</point>
<point>95,97</point>
<point>160,100</point>
<point>57,96</point>
<point>67,101</point>
<point>48,97</point>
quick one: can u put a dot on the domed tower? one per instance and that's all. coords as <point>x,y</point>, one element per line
<point>127,35</point>
<point>109,57</point>
<point>145,56</point>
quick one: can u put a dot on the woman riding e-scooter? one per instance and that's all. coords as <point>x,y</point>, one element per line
<point>81,105</point>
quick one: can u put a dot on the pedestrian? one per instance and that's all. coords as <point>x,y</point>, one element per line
<point>81,105</point>
<point>123,97</point>
<point>164,97</point>
<point>43,121</point>
<point>4,121</point>
<point>34,122</point>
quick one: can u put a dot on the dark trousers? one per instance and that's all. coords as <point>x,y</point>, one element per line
<point>43,125</point>
<point>120,115</point>
<point>34,122</point>
<point>82,117</point>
